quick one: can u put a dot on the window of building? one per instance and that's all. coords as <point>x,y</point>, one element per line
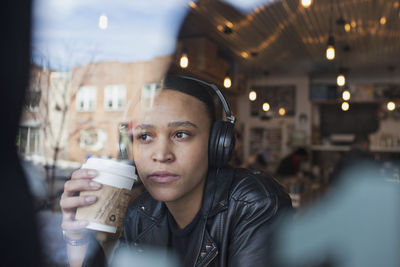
<point>114,97</point>
<point>86,99</point>
<point>32,100</point>
<point>28,140</point>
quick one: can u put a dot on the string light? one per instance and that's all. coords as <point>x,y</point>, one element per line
<point>227,81</point>
<point>346,95</point>
<point>282,111</point>
<point>266,106</point>
<point>306,3</point>
<point>252,96</point>
<point>391,106</point>
<point>345,106</point>
<point>184,61</point>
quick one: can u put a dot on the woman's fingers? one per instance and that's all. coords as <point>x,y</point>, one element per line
<point>74,202</point>
<point>77,185</point>
<point>84,174</point>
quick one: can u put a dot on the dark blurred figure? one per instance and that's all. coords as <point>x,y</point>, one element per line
<point>357,157</point>
<point>19,237</point>
<point>290,165</point>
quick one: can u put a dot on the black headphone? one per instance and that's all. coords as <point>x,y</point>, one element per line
<point>222,136</point>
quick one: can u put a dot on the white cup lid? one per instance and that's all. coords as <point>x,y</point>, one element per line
<point>110,166</point>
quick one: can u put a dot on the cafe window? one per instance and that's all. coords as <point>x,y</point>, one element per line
<point>114,97</point>
<point>86,99</point>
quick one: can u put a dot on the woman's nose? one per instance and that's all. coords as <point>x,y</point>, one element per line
<point>163,151</point>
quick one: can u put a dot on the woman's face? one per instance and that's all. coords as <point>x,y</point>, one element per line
<point>170,146</point>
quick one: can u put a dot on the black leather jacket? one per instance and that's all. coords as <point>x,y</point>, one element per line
<point>237,215</point>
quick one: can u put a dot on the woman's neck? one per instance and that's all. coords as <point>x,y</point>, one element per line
<point>185,209</point>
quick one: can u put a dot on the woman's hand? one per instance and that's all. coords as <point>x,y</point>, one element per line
<point>81,180</point>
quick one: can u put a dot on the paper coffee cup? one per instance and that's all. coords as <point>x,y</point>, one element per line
<point>108,212</point>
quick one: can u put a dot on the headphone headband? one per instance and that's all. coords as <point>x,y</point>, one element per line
<point>228,114</point>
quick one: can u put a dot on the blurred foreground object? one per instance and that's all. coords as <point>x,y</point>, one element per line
<point>357,225</point>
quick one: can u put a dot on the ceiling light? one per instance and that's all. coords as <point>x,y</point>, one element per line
<point>391,106</point>
<point>341,80</point>
<point>382,21</point>
<point>353,24</point>
<point>282,111</point>
<point>252,96</point>
<point>184,61</point>
<point>346,95</point>
<point>330,49</point>
<point>306,3</point>
<point>345,106</point>
<point>266,106</point>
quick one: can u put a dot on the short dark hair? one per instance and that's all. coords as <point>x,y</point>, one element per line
<point>192,88</point>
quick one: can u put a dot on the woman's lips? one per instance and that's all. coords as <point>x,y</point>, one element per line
<point>163,177</point>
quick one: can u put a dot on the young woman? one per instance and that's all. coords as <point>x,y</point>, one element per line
<point>207,214</point>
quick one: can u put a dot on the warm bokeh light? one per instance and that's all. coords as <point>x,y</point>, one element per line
<point>192,4</point>
<point>229,24</point>
<point>330,52</point>
<point>347,27</point>
<point>341,80</point>
<point>266,106</point>
<point>184,61</point>
<point>103,22</point>
<point>220,28</point>
<point>391,106</point>
<point>382,21</point>
<point>345,106</point>
<point>244,54</point>
<point>282,111</point>
<point>306,3</point>
<point>346,95</point>
<point>252,96</point>
<point>227,82</point>
<point>353,24</point>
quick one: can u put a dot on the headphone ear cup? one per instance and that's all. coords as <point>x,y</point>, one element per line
<point>221,144</point>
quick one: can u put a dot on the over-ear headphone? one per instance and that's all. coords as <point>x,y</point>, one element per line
<point>222,137</point>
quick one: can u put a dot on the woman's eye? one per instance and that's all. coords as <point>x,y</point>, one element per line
<point>182,135</point>
<point>144,137</point>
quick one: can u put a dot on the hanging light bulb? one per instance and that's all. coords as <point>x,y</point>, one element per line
<point>341,80</point>
<point>253,96</point>
<point>266,106</point>
<point>184,61</point>
<point>391,106</point>
<point>282,111</point>
<point>330,49</point>
<point>345,106</point>
<point>382,20</point>
<point>346,95</point>
<point>227,81</point>
<point>306,3</point>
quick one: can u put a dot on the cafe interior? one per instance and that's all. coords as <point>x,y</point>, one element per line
<point>314,86</point>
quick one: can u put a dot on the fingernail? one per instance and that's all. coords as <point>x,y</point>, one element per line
<point>90,199</point>
<point>95,185</point>
<point>92,173</point>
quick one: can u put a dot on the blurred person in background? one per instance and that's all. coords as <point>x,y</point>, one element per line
<point>290,165</point>
<point>193,204</point>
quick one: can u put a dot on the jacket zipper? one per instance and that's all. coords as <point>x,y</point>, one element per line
<point>216,254</point>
